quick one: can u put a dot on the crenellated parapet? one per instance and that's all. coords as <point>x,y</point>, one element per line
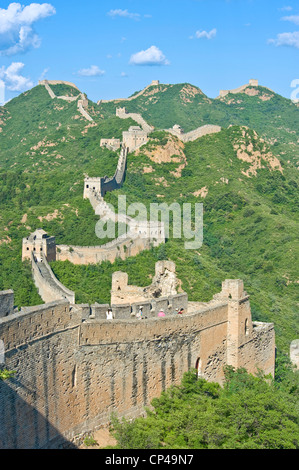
<point>252,83</point>
<point>40,244</point>
<point>82,101</point>
<point>67,356</point>
<point>177,131</point>
<point>153,83</point>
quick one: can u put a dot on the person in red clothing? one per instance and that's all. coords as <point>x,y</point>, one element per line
<point>180,312</point>
<point>161,313</point>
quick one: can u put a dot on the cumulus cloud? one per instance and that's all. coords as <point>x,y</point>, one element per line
<point>292,18</point>
<point>16,26</point>
<point>92,71</point>
<point>151,56</point>
<point>286,39</point>
<point>205,34</point>
<point>13,79</point>
<point>123,14</point>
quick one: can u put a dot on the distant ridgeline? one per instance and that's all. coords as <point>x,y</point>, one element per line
<point>74,367</point>
<point>82,99</point>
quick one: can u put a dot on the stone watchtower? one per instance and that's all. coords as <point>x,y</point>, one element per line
<point>240,326</point>
<point>134,138</point>
<point>41,245</point>
<point>92,185</point>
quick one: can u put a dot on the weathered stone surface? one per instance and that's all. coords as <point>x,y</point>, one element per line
<point>73,367</point>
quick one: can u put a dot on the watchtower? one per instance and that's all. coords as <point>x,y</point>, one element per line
<point>40,244</point>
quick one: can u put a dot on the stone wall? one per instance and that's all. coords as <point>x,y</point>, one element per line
<point>57,82</point>
<point>96,188</point>
<point>74,368</point>
<point>49,288</point>
<point>252,82</point>
<point>6,303</point>
<point>122,247</point>
<point>195,134</point>
<point>82,99</point>
<point>112,144</point>
<point>154,83</point>
<point>135,138</point>
<point>123,114</point>
<point>36,406</point>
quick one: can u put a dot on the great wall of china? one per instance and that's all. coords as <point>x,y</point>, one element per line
<point>81,98</point>
<point>73,367</point>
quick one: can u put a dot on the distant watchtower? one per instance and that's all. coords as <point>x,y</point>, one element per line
<point>40,244</point>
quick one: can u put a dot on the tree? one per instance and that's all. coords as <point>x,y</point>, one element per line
<point>6,374</point>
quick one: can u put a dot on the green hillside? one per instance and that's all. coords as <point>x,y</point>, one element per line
<point>245,176</point>
<point>164,106</point>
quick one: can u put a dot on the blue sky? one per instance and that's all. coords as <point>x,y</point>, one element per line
<point>110,49</point>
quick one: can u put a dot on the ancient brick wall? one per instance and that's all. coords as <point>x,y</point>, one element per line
<point>48,286</point>
<point>118,248</point>
<point>74,369</point>
<point>195,134</point>
<point>35,405</point>
<point>6,303</point>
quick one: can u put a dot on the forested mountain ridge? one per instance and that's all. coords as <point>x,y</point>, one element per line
<point>246,177</point>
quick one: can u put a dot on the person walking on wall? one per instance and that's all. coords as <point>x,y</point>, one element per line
<point>109,314</point>
<point>139,314</point>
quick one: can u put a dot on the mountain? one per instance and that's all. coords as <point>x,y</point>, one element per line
<point>163,106</point>
<point>246,176</point>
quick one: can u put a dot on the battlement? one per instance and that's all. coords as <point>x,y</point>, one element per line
<point>40,244</point>
<point>177,131</point>
<point>6,303</point>
<point>82,101</point>
<point>57,82</point>
<point>112,144</point>
<point>134,138</point>
<point>252,83</point>
<point>153,83</point>
<point>164,284</point>
<point>72,354</point>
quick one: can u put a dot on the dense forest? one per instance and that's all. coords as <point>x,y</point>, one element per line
<point>246,413</point>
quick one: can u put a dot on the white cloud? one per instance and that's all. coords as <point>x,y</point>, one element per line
<point>92,71</point>
<point>151,56</point>
<point>205,34</point>
<point>286,8</point>
<point>16,26</point>
<point>293,19</point>
<point>43,74</point>
<point>286,39</point>
<point>13,79</point>
<point>123,14</point>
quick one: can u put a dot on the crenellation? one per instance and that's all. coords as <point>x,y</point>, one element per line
<point>208,129</point>
<point>6,303</point>
<point>126,361</point>
<point>252,83</point>
<point>82,101</point>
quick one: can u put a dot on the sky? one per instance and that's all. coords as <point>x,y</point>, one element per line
<point>111,49</point>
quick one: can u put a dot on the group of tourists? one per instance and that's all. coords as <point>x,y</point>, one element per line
<point>140,315</point>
